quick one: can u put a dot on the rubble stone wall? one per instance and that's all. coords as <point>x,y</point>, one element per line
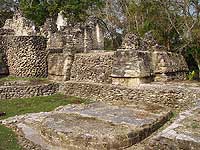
<point>169,66</point>
<point>92,67</point>
<point>27,56</point>
<point>169,95</point>
<point>20,25</point>
<point>26,91</point>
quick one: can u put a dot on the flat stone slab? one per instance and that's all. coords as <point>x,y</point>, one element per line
<point>182,134</point>
<point>95,126</point>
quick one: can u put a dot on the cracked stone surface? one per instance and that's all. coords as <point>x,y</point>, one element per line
<point>182,134</point>
<point>95,126</point>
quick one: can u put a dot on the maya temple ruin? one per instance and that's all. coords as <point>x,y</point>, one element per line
<point>134,89</point>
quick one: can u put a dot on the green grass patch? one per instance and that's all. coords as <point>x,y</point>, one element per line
<point>8,140</point>
<point>15,107</point>
<point>36,104</point>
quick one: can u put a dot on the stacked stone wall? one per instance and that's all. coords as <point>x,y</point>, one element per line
<point>92,67</point>
<point>169,95</point>
<point>26,91</point>
<point>27,56</point>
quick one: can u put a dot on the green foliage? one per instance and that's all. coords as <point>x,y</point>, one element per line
<point>191,75</point>
<point>74,10</point>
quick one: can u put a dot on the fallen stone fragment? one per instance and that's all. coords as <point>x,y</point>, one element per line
<point>96,126</point>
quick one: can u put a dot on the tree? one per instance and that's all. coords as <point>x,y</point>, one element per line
<point>74,10</point>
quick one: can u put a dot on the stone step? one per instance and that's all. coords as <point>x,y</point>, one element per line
<point>95,126</point>
<point>182,134</point>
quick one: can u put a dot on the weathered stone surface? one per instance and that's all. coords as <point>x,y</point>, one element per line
<point>48,28</point>
<point>174,95</point>
<point>3,58</point>
<point>182,134</point>
<point>96,126</point>
<point>131,67</point>
<point>76,38</point>
<point>27,56</point>
<point>92,67</point>
<point>140,59</point>
<point>59,66</point>
<point>169,65</point>
<point>6,31</point>
<point>20,89</point>
<point>134,42</point>
<point>130,63</point>
<point>20,25</point>
<point>55,41</point>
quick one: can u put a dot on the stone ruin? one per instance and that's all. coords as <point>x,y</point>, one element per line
<point>123,114</point>
<point>142,60</point>
<point>76,38</point>
<point>139,60</point>
<point>24,50</point>
<point>65,52</point>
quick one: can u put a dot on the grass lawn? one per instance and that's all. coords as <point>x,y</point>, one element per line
<point>14,107</point>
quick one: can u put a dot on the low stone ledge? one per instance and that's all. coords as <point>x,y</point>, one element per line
<point>27,91</point>
<point>182,134</point>
<point>174,96</point>
<point>95,126</point>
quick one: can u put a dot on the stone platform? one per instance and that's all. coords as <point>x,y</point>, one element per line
<point>182,134</point>
<point>95,126</point>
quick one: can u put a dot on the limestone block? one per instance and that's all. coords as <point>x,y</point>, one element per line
<point>59,66</point>
<point>168,62</point>
<point>55,41</point>
<point>169,66</point>
<point>129,63</point>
